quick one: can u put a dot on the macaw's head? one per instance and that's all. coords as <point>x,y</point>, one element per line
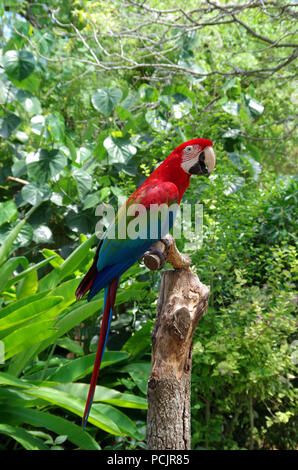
<point>197,157</point>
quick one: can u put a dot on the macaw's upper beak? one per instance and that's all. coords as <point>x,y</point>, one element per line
<point>205,164</point>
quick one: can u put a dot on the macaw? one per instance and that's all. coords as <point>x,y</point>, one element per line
<point>115,254</point>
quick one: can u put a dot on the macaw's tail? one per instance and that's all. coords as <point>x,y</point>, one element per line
<point>109,301</point>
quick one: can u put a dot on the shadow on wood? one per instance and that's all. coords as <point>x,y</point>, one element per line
<point>182,301</point>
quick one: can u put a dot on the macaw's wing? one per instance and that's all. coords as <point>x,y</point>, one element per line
<point>147,216</point>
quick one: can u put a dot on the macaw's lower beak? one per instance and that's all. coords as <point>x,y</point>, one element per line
<point>205,164</point>
<point>199,169</point>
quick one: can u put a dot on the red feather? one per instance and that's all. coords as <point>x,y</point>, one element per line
<point>109,304</point>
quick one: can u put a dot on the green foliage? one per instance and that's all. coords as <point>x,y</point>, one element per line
<point>76,132</point>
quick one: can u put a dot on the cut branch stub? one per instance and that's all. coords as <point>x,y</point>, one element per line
<point>166,248</point>
<point>182,301</point>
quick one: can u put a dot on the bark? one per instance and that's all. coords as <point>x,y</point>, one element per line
<point>183,299</point>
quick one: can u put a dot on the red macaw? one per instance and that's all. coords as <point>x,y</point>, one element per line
<point>115,254</point>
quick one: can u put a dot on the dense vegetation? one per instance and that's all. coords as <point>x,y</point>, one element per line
<point>93,94</point>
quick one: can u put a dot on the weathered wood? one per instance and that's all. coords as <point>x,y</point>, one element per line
<point>182,301</point>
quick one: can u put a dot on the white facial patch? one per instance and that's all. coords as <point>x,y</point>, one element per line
<point>190,156</point>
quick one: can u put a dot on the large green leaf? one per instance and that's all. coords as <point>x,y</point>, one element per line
<point>37,124</point>
<point>27,312</point>
<point>45,164</point>
<point>79,368</point>
<point>27,440</point>
<point>83,181</point>
<point>76,406</point>
<point>24,338</point>
<point>8,212</point>
<point>35,193</point>
<point>24,273</point>
<point>8,123</point>
<point>124,423</point>
<point>120,150</point>
<point>7,379</point>
<point>18,64</point>
<point>56,127</point>
<point>103,394</point>
<point>28,285</point>
<point>178,103</point>
<point>104,100</point>
<point>9,267</point>
<point>29,102</point>
<point>51,422</point>
<point>157,121</point>
<point>9,240</point>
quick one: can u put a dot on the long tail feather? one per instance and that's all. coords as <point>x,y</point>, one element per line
<point>109,301</point>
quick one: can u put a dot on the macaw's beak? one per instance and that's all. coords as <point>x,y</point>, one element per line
<point>205,164</point>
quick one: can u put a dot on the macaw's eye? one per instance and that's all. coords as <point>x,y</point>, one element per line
<point>188,148</point>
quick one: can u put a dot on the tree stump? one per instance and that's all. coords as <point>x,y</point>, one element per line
<point>182,301</point>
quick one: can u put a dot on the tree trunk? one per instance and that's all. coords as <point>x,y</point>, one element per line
<point>183,299</point>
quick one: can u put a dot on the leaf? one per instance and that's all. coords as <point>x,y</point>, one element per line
<point>9,267</point>
<point>83,181</point>
<point>232,133</point>
<point>29,102</point>
<point>7,90</point>
<point>54,258</point>
<point>37,124</point>
<point>26,313</point>
<point>126,115</point>
<point>71,147</point>
<point>120,150</point>
<point>123,422</point>
<point>232,183</point>
<point>42,234</point>
<point>7,379</point>
<point>231,107</point>
<point>148,93</point>
<point>75,405</point>
<point>34,193</point>
<point>82,366</point>
<point>27,286</point>
<point>9,240</point>
<point>157,121</point>
<point>24,237</point>
<point>18,64</point>
<point>92,200</point>
<point>56,424</point>
<point>253,166</point>
<point>8,212</point>
<point>104,100</point>
<point>20,276</point>
<point>45,164</point>
<point>178,103</point>
<point>129,168</point>
<point>8,123</point>
<point>27,336</point>
<point>26,439</point>
<point>255,108</point>
<point>139,372</point>
<point>140,340</point>
<point>56,127</point>
<point>70,345</point>
<point>104,394</point>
